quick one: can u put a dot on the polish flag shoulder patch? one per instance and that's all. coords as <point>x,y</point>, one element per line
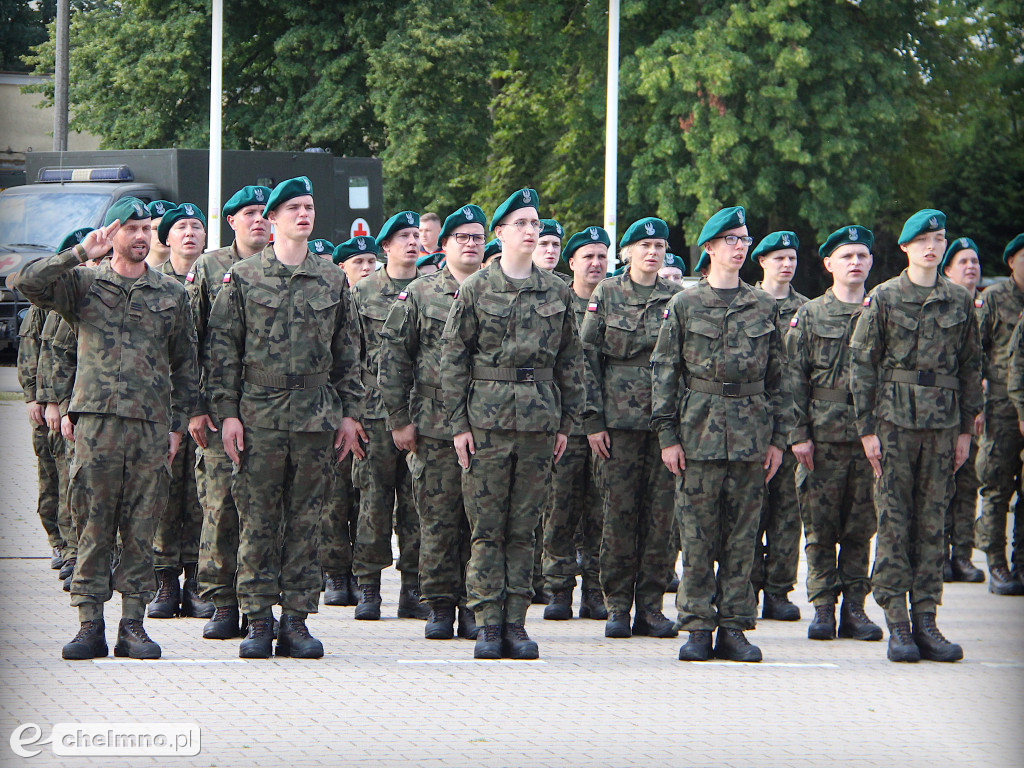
<point>664,314</point>
<point>794,321</point>
<point>190,277</point>
<point>403,295</point>
<point>592,306</point>
<point>227,277</point>
<point>979,302</point>
<point>867,301</point>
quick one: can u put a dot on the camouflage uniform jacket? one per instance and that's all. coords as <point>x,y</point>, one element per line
<point>44,372</point>
<point>819,357</point>
<point>136,342</point>
<point>64,366</point>
<point>789,305</point>
<point>998,309</point>
<point>1015,373</point>
<point>492,324</point>
<point>739,345</point>
<point>270,325</point>
<point>579,308</point>
<point>619,332</point>
<point>938,337</point>
<point>410,354</point>
<point>167,269</point>
<point>373,296</point>
<point>28,351</point>
<point>203,282</point>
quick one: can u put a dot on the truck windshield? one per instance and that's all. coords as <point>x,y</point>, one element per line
<point>44,219</point>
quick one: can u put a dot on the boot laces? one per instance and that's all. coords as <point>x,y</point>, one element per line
<point>516,632</point>
<point>224,613</point>
<point>491,633</point>
<point>825,614</point>
<point>903,634</point>
<point>737,636</point>
<point>444,613</point>
<point>929,627</point>
<point>297,626</point>
<point>369,592</point>
<point>857,612</point>
<point>594,595</point>
<point>336,582</point>
<point>560,596</point>
<point>88,628</point>
<point>655,616</point>
<point>165,592</point>
<point>260,627</point>
<point>134,626</point>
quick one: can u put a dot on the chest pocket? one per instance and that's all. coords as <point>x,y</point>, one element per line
<point>757,339</point>
<point>901,338</point>
<point>99,305</point>
<point>436,316</point>
<point>159,315</point>
<point>322,313</point>
<point>262,309</point>
<point>620,334</point>
<point>702,342</point>
<point>829,341</point>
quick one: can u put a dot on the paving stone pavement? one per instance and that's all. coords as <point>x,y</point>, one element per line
<point>385,696</point>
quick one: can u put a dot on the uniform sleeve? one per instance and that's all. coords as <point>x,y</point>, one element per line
<point>666,376</point>
<point>44,370</point>
<point>345,371</point>
<point>1015,375</point>
<point>223,351</point>
<point>28,351</point>
<point>184,366</point>
<point>399,343</point>
<point>797,348</point>
<point>972,397</point>
<point>460,340</point>
<point>54,283</point>
<point>569,368</point>
<point>65,365</point>
<point>777,384</point>
<point>592,338</point>
<point>986,322</point>
<point>199,302</point>
<point>867,344</point>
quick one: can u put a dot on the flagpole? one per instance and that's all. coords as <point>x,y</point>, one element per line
<point>611,140</point>
<point>216,64</point>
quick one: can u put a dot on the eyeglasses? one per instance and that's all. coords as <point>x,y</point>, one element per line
<point>522,224</point>
<point>462,238</point>
<point>733,239</point>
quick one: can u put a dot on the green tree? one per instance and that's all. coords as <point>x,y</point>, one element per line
<point>22,26</point>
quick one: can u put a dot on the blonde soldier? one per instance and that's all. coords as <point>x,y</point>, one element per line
<point>619,332</point>
<point>218,537</point>
<point>721,408</point>
<point>158,252</point>
<point>410,378</point>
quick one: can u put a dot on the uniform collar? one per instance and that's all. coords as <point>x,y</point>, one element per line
<point>448,283</point>
<point>836,307</point>
<point>941,291</point>
<point>709,298</point>
<point>501,284</point>
<point>660,290</point>
<point>149,279</point>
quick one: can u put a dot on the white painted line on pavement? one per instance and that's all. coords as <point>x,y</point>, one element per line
<point>513,662</point>
<point>1003,664</point>
<point>168,661</point>
<point>744,665</point>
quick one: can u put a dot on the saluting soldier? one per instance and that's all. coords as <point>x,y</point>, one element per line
<point>385,489</point>
<point>833,479</point>
<point>917,389</point>
<point>283,380</point>
<point>999,452</point>
<point>410,383</point>
<point>512,385</point>
<point>218,537</point>
<point>721,408</point>
<point>575,513</point>
<point>130,404</point>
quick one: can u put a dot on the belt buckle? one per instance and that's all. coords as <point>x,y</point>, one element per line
<point>293,382</point>
<point>525,375</point>
<point>926,378</point>
<point>731,388</point>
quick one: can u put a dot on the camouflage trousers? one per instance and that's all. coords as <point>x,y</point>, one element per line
<point>281,488</point>
<point>778,539</point>
<point>119,485</point>
<point>573,520</point>
<point>218,536</point>
<point>837,507</point>
<point>444,527</point>
<point>506,490</point>
<point>339,523</point>
<point>718,505</point>
<point>959,525</point>
<point>911,499</point>
<point>48,503</point>
<point>176,538</point>
<point>385,495</point>
<point>66,523</point>
<point>999,471</point>
<point>637,500</point>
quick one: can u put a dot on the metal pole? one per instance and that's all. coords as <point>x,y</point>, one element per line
<point>216,61</point>
<point>60,79</point>
<point>611,141</point>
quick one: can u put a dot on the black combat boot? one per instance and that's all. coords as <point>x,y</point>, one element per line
<point>133,642</point>
<point>167,602</point>
<point>672,585</point>
<point>560,607</point>
<point>653,623</point>
<point>67,568</point>
<point>930,641</point>
<point>488,642</point>
<point>353,590</point>
<point>540,597</point>
<point>947,570</point>
<point>617,625</point>
<point>823,625</point>
<point>901,643</point>
<point>441,622</point>
<point>192,604</point>
<point>592,605</point>
<point>259,642</point>
<point>223,625</point>
<point>1002,582</point>
<point>855,623</point>
<point>516,644</point>
<point>964,570</point>
<point>89,643</point>
<point>411,605</point>
<point>698,647</point>
<point>67,584</point>
<point>732,645</point>
<point>56,561</point>
<point>294,640</point>
<point>368,607</point>
<point>467,623</point>
<point>779,607</point>
<point>336,589</point>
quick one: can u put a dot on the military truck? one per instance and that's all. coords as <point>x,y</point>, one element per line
<point>68,190</point>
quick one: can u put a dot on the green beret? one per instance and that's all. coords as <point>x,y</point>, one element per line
<point>286,190</point>
<point>702,261</point>
<point>355,246</point>
<point>925,220</point>
<point>467,214</point>
<point>251,195</point>
<point>524,198</point>
<point>852,233</point>
<point>776,241</point>
<point>588,236</point>
<point>158,208</point>
<point>492,248</point>
<point>648,227</point>
<point>725,219</point>
<point>960,244</point>
<point>430,258</point>
<point>321,247</point>
<point>551,227</point>
<point>671,260</point>
<point>177,213</point>
<point>1012,247</point>
<point>401,220</point>
<point>126,208</point>
<point>73,238</point>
